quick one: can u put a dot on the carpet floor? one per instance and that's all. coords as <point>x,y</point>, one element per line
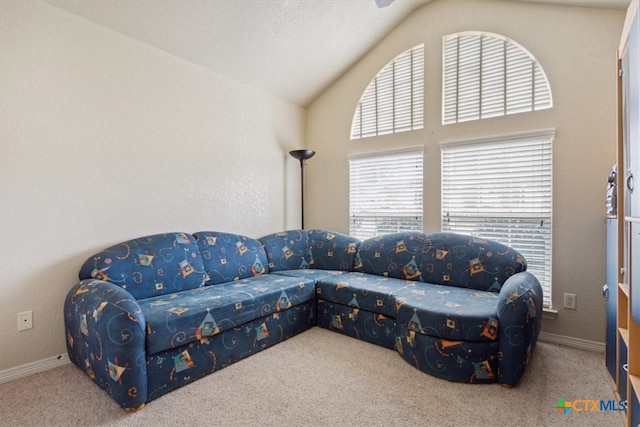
<point>321,378</point>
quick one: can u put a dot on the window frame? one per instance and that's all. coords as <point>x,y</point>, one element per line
<point>398,197</point>
<point>540,199</point>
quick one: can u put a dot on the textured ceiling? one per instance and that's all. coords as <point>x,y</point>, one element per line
<point>293,49</point>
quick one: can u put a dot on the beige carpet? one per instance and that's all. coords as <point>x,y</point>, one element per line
<point>323,378</point>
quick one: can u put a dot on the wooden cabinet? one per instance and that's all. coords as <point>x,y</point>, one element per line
<point>627,347</point>
<point>611,296</point>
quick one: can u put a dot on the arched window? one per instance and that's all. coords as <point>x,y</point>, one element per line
<point>487,75</point>
<point>394,100</point>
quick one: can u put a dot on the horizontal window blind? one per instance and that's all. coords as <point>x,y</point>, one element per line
<point>394,99</point>
<point>385,193</point>
<point>487,75</point>
<point>502,190</point>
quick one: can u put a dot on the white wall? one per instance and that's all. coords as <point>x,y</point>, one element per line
<point>577,49</point>
<point>103,139</point>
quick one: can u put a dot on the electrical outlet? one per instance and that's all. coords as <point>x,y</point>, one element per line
<point>25,320</point>
<point>570,301</point>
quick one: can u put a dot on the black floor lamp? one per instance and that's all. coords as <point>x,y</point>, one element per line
<point>302,155</point>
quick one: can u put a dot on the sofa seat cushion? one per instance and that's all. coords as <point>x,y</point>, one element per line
<point>448,312</point>
<point>361,290</point>
<point>178,319</point>
<point>312,274</point>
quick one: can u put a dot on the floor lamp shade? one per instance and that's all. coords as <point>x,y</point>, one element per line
<point>302,156</point>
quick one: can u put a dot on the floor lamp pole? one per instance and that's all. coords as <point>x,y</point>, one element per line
<point>302,191</point>
<point>302,156</point>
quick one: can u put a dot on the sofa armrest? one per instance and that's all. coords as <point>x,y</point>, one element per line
<point>519,318</point>
<point>106,338</point>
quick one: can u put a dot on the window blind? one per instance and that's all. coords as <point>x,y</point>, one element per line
<point>487,75</point>
<point>385,193</point>
<point>394,99</point>
<point>502,190</point>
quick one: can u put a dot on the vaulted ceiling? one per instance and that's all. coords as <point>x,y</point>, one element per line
<point>293,49</point>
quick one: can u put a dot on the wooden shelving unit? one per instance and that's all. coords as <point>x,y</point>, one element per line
<point>627,372</point>
<point>633,322</point>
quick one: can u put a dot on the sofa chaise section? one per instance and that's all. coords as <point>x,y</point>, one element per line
<point>457,307</point>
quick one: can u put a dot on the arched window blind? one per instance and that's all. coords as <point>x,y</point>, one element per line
<point>487,75</point>
<point>385,193</point>
<point>501,189</point>
<point>394,100</point>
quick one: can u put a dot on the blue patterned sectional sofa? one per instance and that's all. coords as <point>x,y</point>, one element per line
<point>155,313</point>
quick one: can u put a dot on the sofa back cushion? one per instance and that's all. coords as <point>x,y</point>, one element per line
<point>330,250</point>
<point>287,250</point>
<point>397,255</point>
<point>469,262</point>
<point>149,266</point>
<point>229,257</point>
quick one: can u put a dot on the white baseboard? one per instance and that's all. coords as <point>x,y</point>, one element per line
<point>28,369</point>
<point>578,343</point>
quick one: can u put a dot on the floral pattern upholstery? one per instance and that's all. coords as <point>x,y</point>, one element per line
<point>154,313</point>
